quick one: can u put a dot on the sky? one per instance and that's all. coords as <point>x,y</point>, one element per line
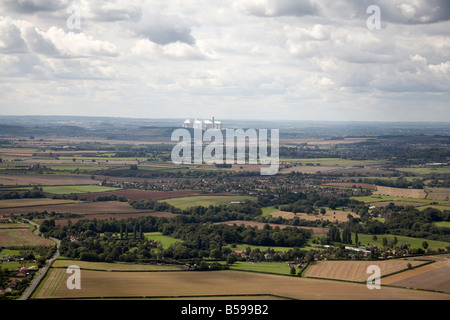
<point>231,59</point>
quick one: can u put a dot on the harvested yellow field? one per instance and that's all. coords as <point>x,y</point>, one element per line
<point>356,270</point>
<point>398,192</point>
<point>331,215</point>
<point>440,194</point>
<point>211,284</point>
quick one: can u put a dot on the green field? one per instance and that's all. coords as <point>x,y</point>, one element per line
<point>445,224</point>
<point>77,189</point>
<point>382,198</point>
<point>331,161</point>
<point>186,202</point>
<point>269,210</point>
<point>243,246</point>
<point>9,252</point>
<point>426,170</point>
<point>105,266</point>
<point>442,208</point>
<point>265,267</point>
<point>16,265</point>
<point>165,241</point>
<point>79,168</point>
<point>415,243</point>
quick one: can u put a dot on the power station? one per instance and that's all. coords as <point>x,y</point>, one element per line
<point>203,124</point>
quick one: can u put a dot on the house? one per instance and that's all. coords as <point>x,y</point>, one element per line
<point>24,269</point>
<point>13,283</point>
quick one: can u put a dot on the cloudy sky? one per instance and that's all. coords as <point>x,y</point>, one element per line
<point>232,59</point>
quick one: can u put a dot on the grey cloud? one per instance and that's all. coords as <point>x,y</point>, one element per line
<point>275,8</point>
<point>165,30</point>
<point>114,11</point>
<point>392,11</point>
<point>33,6</point>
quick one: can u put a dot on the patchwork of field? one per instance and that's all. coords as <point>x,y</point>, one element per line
<point>260,225</point>
<point>331,215</point>
<point>356,270</point>
<point>99,284</point>
<point>21,235</point>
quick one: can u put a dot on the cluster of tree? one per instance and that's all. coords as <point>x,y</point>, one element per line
<point>400,182</point>
<point>109,240</point>
<point>93,247</point>
<point>46,215</point>
<point>111,197</point>
<point>246,210</point>
<point>150,204</point>
<point>313,202</point>
<point>69,196</point>
<point>411,222</point>
<point>35,192</point>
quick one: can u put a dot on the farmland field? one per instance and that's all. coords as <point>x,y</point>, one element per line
<point>105,207</point>
<point>356,270</point>
<point>21,237</point>
<point>17,203</point>
<point>186,202</point>
<point>45,180</point>
<point>281,268</point>
<point>77,189</point>
<point>260,225</point>
<point>366,239</point>
<point>385,198</point>
<point>132,194</point>
<point>331,215</point>
<point>105,266</point>
<point>165,241</point>
<point>100,284</point>
<point>433,276</point>
<point>404,193</point>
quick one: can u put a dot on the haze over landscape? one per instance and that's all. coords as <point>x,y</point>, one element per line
<point>235,59</point>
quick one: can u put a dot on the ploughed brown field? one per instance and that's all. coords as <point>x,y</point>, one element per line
<point>132,194</point>
<point>356,270</point>
<point>46,180</point>
<point>178,284</point>
<point>260,225</point>
<point>78,208</point>
<point>434,276</point>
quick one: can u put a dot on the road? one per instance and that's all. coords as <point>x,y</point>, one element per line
<point>44,269</point>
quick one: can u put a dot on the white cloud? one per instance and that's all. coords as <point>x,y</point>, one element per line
<point>310,59</point>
